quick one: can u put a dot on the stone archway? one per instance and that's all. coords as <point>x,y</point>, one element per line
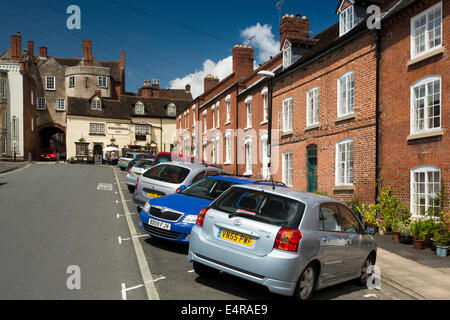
<point>52,136</point>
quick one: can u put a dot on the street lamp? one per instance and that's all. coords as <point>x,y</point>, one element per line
<point>269,75</point>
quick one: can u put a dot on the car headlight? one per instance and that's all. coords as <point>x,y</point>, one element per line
<point>190,219</point>
<point>147,207</point>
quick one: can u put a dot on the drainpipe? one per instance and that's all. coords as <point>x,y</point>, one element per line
<point>377,107</point>
<point>236,169</point>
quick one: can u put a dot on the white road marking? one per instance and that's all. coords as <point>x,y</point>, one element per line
<point>370,295</point>
<point>117,201</point>
<point>161,278</point>
<point>128,239</point>
<point>191,271</point>
<point>105,187</point>
<point>125,290</point>
<point>150,288</point>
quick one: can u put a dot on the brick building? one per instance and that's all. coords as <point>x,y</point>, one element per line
<point>414,155</point>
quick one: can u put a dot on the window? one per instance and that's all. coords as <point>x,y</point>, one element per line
<point>287,57</point>
<point>248,106</point>
<point>32,97</point>
<point>32,124</point>
<point>349,223</point>
<point>228,135</point>
<point>287,115</point>
<point>313,96</point>
<point>346,20</point>
<point>265,98</point>
<point>205,125</point>
<point>265,157</point>
<point>167,173</point>
<point>344,163</point>
<point>71,82</point>
<point>82,149</point>
<point>248,156</point>
<point>205,144</point>
<point>194,145</point>
<point>139,108</point>
<point>328,220</point>
<point>103,82</point>
<point>50,83</point>
<point>213,109</point>
<point>3,89</point>
<point>4,146</point>
<point>228,103</point>
<point>425,186</point>
<point>426,31</point>
<point>41,104</point>
<point>287,168</point>
<point>346,94</point>
<point>97,128</point>
<point>426,104</point>
<point>96,104</point>
<point>218,114</point>
<point>60,104</point>
<point>193,116</point>
<point>142,129</point>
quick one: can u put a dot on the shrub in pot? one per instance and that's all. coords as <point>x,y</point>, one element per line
<point>419,234</point>
<point>441,239</point>
<point>395,232</point>
<point>405,232</point>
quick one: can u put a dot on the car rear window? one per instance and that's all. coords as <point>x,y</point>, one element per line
<point>261,206</point>
<point>208,189</point>
<point>128,156</point>
<point>143,163</point>
<point>167,173</point>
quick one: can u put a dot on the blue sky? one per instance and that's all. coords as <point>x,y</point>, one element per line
<point>173,41</point>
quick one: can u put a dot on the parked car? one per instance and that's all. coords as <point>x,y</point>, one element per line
<point>168,178</point>
<point>133,162</point>
<point>172,217</point>
<point>48,154</point>
<point>129,156</point>
<point>164,157</point>
<point>292,242</point>
<point>136,171</point>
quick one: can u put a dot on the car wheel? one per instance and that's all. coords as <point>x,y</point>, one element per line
<point>305,284</point>
<point>362,280</point>
<point>204,271</point>
<point>131,189</point>
<point>139,209</point>
<point>123,169</point>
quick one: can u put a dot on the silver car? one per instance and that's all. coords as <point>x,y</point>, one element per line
<point>168,178</point>
<point>292,242</point>
<point>136,171</point>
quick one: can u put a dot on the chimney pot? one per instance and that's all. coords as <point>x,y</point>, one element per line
<point>87,52</point>
<point>16,46</point>
<point>43,52</point>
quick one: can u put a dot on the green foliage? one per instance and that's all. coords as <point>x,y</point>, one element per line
<point>404,229</point>
<point>72,160</point>
<point>441,237</point>
<point>390,208</point>
<point>419,229</point>
<point>368,212</point>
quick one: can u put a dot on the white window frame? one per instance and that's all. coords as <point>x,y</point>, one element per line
<point>248,109</point>
<point>102,82</point>
<point>41,104</point>
<point>50,80</point>
<point>426,35</point>
<point>288,168</point>
<point>4,145</point>
<point>139,108</point>
<point>346,20</point>
<point>264,155</point>
<point>193,115</point>
<point>349,175</point>
<point>71,82</point>
<point>3,89</point>
<point>287,57</point>
<point>312,106</point>
<point>248,153</point>
<point>60,106</point>
<point>218,114</point>
<point>265,101</point>
<point>96,104</point>
<point>228,104</point>
<point>348,79</point>
<point>228,136</point>
<point>426,112</point>
<point>142,129</point>
<point>213,110</point>
<point>194,145</point>
<point>287,115</point>
<point>205,120</point>
<point>97,128</point>
<point>427,194</point>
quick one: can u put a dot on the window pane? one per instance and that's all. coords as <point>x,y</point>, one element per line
<point>329,218</point>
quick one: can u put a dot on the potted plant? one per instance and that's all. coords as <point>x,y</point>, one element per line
<point>395,232</point>
<point>441,239</point>
<point>405,233</point>
<point>419,234</point>
<point>430,227</point>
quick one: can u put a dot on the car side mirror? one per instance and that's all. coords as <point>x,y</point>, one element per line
<point>370,230</point>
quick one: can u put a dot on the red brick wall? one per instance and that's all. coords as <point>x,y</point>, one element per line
<point>398,155</point>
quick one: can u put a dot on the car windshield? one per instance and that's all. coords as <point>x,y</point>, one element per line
<point>143,163</point>
<point>208,189</point>
<point>261,206</point>
<point>167,173</point>
<point>47,151</point>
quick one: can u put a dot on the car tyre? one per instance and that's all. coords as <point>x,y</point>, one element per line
<point>204,271</point>
<point>123,169</point>
<point>139,209</point>
<point>362,280</point>
<point>131,189</point>
<point>306,283</point>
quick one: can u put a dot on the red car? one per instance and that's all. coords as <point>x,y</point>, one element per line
<point>48,154</point>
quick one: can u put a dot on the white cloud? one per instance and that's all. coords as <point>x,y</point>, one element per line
<point>264,41</point>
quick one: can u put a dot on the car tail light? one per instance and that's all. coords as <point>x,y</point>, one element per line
<point>288,239</point>
<point>129,170</point>
<point>137,182</point>
<point>201,216</point>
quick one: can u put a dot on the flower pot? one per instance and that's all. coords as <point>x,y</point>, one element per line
<point>396,236</point>
<point>406,240</point>
<point>419,244</point>
<point>441,251</point>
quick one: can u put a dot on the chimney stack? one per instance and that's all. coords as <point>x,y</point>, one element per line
<point>16,46</point>
<point>122,59</point>
<point>31,49</point>
<point>210,82</point>
<point>43,52</point>
<point>188,88</point>
<point>87,53</point>
<point>293,27</point>
<point>243,60</point>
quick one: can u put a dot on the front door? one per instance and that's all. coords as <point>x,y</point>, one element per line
<point>312,169</point>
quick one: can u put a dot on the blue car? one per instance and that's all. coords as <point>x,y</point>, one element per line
<point>172,217</point>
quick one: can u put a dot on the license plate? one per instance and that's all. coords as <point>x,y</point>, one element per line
<point>153,195</point>
<point>159,224</point>
<point>236,237</point>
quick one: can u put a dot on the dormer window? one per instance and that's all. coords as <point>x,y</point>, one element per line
<point>287,56</point>
<point>96,104</point>
<point>346,20</point>
<point>139,108</point>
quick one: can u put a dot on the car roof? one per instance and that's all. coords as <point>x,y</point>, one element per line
<point>189,165</point>
<point>243,180</point>
<point>291,193</point>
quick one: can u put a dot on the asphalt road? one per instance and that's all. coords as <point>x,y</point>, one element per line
<point>53,216</point>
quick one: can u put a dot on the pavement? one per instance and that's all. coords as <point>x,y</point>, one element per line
<point>420,273</point>
<point>10,166</point>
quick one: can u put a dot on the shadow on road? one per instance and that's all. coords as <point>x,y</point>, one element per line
<point>174,247</point>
